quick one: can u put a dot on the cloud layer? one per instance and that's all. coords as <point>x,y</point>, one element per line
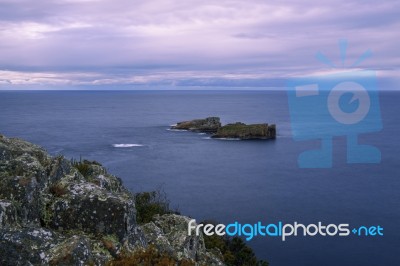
<point>170,42</point>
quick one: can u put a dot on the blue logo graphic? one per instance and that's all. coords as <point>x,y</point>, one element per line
<point>340,104</point>
<point>282,230</point>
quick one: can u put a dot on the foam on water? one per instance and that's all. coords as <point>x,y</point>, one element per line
<point>227,138</point>
<point>172,129</point>
<point>128,145</point>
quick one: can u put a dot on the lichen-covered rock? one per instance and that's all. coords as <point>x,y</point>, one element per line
<point>76,250</point>
<point>11,148</point>
<point>207,125</point>
<point>92,209</point>
<point>169,234</point>
<point>59,212</point>
<point>38,246</point>
<point>242,131</point>
<point>8,214</point>
<point>60,168</point>
<point>26,246</point>
<point>23,176</point>
<point>79,202</point>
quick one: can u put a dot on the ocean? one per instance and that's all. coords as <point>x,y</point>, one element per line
<point>226,180</point>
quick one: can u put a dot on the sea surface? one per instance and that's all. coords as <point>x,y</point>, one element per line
<point>227,180</point>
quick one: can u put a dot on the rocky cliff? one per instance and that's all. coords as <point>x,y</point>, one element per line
<point>57,212</point>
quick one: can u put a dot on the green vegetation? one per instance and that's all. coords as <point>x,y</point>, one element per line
<point>84,166</point>
<point>46,215</point>
<point>151,203</point>
<point>234,250</point>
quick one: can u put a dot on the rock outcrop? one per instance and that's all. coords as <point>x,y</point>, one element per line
<point>207,125</point>
<point>245,132</point>
<point>212,125</point>
<point>169,234</point>
<point>57,212</point>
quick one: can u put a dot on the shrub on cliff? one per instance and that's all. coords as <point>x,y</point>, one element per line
<point>84,166</point>
<point>151,203</point>
<point>234,250</point>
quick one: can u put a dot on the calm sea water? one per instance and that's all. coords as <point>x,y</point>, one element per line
<point>245,181</point>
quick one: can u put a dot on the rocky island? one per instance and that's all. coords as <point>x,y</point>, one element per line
<point>212,125</point>
<point>55,211</point>
<point>207,125</point>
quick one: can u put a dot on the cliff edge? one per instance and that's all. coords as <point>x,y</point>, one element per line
<point>55,211</point>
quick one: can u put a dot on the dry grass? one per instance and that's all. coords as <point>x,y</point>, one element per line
<point>58,189</point>
<point>148,257</point>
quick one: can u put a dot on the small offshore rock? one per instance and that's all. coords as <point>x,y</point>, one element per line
<point>207,125</point>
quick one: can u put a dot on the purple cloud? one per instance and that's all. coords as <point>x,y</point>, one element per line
<point>236,43</point>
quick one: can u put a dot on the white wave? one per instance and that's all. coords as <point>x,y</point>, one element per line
<point>127,145</point>
<point>221,138</point>
<point>173,125</point>
<point>172,129</point>
<point>227,138</point>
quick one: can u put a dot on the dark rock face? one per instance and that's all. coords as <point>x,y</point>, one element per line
<point>244,132</point>
<point>38,246</point>
<point>25,246</point>
<point>57,212</point>
<point>91,213</point>
<point>207,125</point>
<point>23,176</point>
<point>40,194</point>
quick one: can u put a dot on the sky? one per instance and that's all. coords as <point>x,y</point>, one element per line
<point>190,43</point>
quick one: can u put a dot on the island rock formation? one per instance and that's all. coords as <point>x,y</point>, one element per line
<point>212,125</point>
<point>207,125</point>
<point>242,131</point>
